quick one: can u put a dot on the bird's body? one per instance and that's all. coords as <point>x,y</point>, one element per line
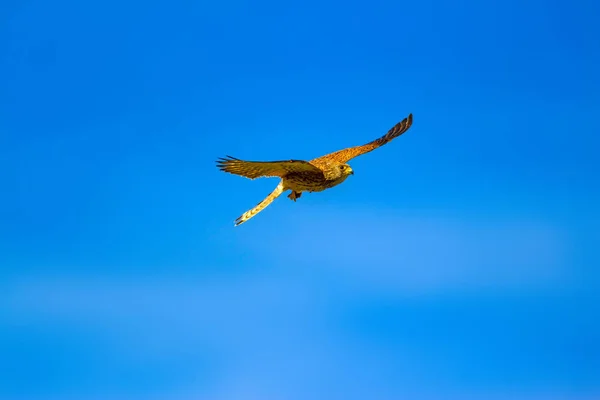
<point>305,176</point>
<point>309,182</point>
<point>330,176</point>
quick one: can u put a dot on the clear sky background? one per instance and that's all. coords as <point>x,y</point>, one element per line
<point>461,261</point>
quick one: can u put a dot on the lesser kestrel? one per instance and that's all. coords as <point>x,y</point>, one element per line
<point>305,176</point>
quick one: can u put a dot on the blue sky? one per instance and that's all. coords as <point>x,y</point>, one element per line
<point>459,262</point>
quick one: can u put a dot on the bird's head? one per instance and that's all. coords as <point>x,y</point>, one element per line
<point>346,170</point>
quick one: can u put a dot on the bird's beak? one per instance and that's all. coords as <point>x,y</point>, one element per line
<point>351,172</point>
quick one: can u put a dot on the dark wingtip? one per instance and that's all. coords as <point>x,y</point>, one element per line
<point>407,122</point>
<point>227,158</point>
<point>222,162</point>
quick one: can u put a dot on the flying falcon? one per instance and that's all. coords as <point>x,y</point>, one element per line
<point>305,176</point>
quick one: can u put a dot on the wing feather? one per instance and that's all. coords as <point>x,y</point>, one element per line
<point>257,169</point>
<point>343,156</point>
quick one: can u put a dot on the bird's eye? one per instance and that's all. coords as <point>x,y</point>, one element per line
<point>342,166</point>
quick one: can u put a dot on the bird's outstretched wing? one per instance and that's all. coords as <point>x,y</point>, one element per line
<point>257,169</point>
<point>343,156</point>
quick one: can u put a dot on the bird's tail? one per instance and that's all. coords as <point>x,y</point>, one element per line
<point>260,206</point>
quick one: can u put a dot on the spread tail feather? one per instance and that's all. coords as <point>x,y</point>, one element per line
<point>260,206</point>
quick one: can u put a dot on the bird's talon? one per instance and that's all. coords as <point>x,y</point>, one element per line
<point>294,195</point>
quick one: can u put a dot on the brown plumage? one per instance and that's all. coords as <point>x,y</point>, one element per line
<point>305,176</point>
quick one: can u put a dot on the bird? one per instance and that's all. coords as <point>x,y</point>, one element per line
<point>301,176</point>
